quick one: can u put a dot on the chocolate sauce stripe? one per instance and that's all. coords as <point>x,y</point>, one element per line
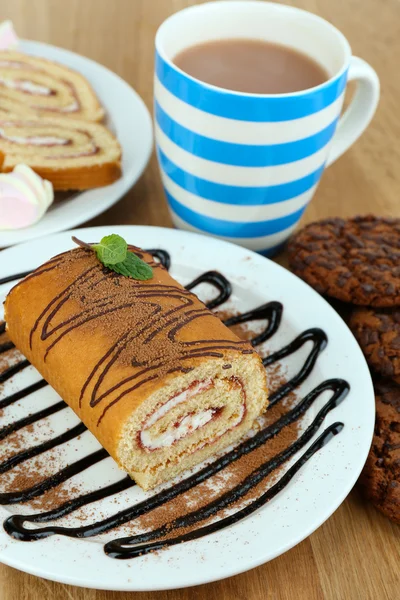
<point>272,312</point>
<point>315,335</point>
<point>241,490</point>
<point>319,339</point>
<point>14,524</point>
<point>115,549</point>
<point>218,281</point>
<point>30,419</point>
<point>29,453</point>
<point>14,277</point>
<point>6,347</point>
<point>60,477</point>
<point>340,390</point>
<point>162,255</point>
<point>23,393</point>
<point>11,371</point>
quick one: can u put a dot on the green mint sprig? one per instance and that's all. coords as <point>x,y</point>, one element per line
<point>111,250</point>
<point>113,253</point>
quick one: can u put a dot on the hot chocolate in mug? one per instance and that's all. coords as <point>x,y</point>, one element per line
<point>243,166</point>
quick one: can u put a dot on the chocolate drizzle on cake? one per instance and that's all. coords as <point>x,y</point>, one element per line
<point>195,523</point>
<point>97,297</point>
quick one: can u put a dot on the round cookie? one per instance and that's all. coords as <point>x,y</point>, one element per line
<point>378,333</point>
<point>355,260</point>
<point>380,478</point>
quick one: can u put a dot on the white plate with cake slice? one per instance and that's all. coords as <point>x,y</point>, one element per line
<point>94,528</point>
<point>125,115</point>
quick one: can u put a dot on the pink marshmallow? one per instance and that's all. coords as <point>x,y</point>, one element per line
<point>8,38</point>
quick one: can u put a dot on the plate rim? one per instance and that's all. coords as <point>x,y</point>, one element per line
<point>128,178</point>
<point>190,581</point>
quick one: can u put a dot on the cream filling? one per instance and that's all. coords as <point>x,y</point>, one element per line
<point>233,424</point>
<point>178,399</point>
<point>74,106</point>
<point>24,85</point>
<point>71,108</point>
<point>189,423</point>
<point>35,140</point>
<point>186,425</point>
<point>15,64</point>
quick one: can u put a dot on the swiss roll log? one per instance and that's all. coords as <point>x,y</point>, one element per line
<point>154,375</point>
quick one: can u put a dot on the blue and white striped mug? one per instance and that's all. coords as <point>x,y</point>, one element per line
<point>241,166</point>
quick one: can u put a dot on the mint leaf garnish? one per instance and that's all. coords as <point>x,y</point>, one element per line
<point>133,267</point>
<point>111,250</point>
<point>113,253</point>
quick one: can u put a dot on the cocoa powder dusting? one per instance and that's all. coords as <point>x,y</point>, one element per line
<point>9,358</point>
<point>243,330</point>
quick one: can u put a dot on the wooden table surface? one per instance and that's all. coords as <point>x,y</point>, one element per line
<point>355,554</point>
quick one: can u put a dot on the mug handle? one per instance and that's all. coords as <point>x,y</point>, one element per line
<point>361,110</point>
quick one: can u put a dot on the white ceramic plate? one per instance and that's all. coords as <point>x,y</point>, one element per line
<point>311,497</point>
<point>126,116</point>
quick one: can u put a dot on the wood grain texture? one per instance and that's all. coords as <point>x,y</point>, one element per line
<point>355,554</point>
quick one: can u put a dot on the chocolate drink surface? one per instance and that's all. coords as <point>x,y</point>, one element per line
<point>251,66</point>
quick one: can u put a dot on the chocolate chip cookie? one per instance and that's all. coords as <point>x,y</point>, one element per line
<point>355,260</point>
<point>378,333</point>
<point>380,478</point>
